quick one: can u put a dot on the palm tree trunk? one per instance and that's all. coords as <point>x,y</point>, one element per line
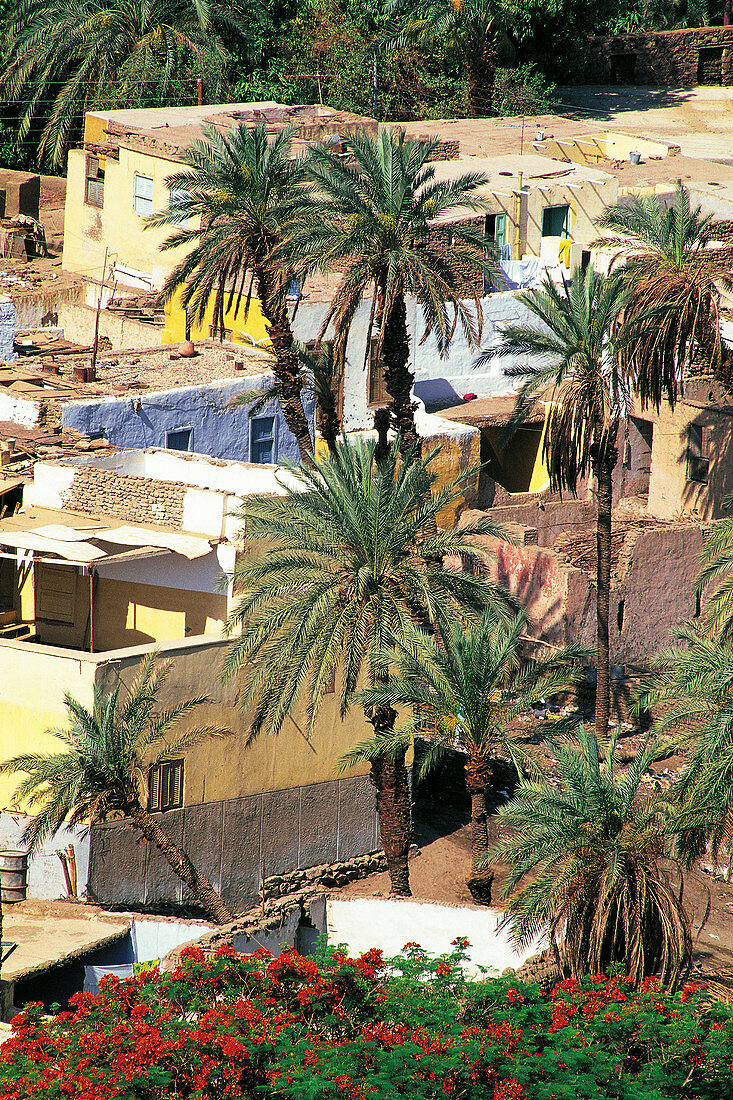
<point>478,776</point>
<point>389,776</point>
<point>604,465</point>
<point>480,69</point>
<point>287,366</point>
<point>183,867</point>
<point>398,378</point>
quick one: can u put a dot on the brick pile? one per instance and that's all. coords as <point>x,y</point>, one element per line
<point>126,497</point>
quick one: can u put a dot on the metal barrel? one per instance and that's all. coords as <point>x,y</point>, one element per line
<point>13,876</point>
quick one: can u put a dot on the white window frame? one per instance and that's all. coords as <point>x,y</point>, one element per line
<point>139,200</point>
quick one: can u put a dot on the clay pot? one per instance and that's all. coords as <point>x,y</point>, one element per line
<point>186,349</point>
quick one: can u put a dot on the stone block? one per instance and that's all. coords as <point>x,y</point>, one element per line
<point>318,823</point>
<point>202,841</point>
<point>240,853</point>
<point>116,865</point>
<point>280,831</point>
<point>162,884</point>
<point>358,831</point>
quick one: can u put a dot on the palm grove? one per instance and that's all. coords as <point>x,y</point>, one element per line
<point>350,579</point>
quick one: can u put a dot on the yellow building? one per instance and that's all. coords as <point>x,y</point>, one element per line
<point>118,179</point>
<point>113,556</point>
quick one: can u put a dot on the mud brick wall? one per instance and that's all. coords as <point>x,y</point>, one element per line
<point>231,841</point>
<point>667,58</point>
<point>444,150</point>
<point>126,497</point>
<point>469,278</point>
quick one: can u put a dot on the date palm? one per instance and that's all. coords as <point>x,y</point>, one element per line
<point>101,771</point>
<point>476,28</point>
<point>572,361</point>
<point>69,52</point>
<point>241,194</point>
<point>691,695</point>
<point>672,314</point>
<point>389,226</point>
<point>464,688</point>
<point>590,865</point>
<point>346,566</point>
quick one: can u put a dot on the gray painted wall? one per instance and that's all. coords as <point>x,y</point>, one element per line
<point>217,429</point>
<point>45,874</point>
<point>229,841</point>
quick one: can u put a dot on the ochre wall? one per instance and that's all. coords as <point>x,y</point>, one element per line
<point>128,614</point>
<point>671,493</point>
<point>229,767</point>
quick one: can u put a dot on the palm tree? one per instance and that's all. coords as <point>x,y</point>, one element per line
<point>673,310</point>
<point>597,852</point>
<point>347,566</point>
<point>466,687</point>
<point>101,772</point>
<point>475,27</point>
<point>241,194</point>
<point>691,694</point>
<point>716,564</point>
<point>70,52</point>
<point>577,371</point>
<point>386,224</point>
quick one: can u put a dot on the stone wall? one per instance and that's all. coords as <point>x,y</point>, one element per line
<point>126,497</point>
<point>684,58</point>
<point>446,149</point>
<point>233,841</point>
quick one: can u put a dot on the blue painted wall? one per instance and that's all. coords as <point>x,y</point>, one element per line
<point>217,429</point>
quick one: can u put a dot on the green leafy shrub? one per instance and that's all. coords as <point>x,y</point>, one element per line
<point>237,1026</point>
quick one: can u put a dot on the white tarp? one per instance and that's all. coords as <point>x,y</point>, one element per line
<point>186,545</point>
<point>72,551</point>
<point>66,534</point>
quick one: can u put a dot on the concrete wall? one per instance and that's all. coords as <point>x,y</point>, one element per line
<point>217,429</point>
<point>45,875</point>
<point>32,306</point>
<point>667,58</point>
<point>229,841</point>
<point>78,322</point>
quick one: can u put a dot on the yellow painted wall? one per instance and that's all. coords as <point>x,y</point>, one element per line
<point>32,685</point>
<point>618,146</point>
<point>89,229</point>
<point>128,614</point>
<point>247,331</point>
<point>228,767</point>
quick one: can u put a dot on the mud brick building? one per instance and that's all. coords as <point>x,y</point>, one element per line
<point>701,55</point>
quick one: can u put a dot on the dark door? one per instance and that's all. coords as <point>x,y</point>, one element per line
<point>623,68</point>
<point>710,65</point>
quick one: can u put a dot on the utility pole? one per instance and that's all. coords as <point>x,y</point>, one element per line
<point>200,91</point>
<point>95,345</point>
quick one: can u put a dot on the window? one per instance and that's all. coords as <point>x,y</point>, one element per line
<point>697,463</point>
<point>56,593</point>
<point>94,187</point>
<point>143,195</point>
<point>179,440</point>
<point>177,197</point>
<point>377,388</point>
<point>165,786</point>
<point>556,221</point>
<point>215,333</point>
<point>262,446</point>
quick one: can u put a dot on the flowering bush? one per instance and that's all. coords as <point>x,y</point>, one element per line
<point>355,1029</point>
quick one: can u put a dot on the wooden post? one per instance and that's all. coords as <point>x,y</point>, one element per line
<point>91,611</point>
<point>200,92</point>
<point>95,345</point>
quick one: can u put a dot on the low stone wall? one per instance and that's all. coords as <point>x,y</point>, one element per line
<point>683,58</point>
<point>326,874</point>
<point>126,497</point>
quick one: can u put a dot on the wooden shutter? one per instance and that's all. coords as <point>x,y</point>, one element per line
<point>55,592</point>
<point>154,788</point>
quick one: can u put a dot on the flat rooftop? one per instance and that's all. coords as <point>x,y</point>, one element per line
<point>503,171</point>
<point>121,372</point>
<point>167,131</point>
<point>47,941</point>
